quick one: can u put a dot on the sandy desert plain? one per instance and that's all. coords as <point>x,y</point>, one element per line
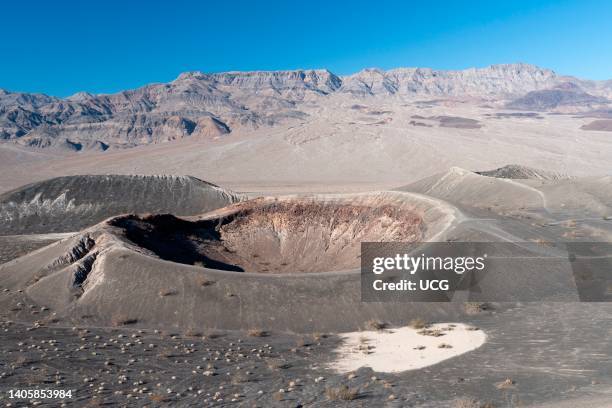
<point>131,279</point>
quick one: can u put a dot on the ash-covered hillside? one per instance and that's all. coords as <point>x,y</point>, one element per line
<point>71,203</point>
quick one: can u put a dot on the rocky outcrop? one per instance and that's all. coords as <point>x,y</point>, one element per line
<point>494,81</point>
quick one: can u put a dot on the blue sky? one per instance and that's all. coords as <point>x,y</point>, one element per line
<point>61,47</point>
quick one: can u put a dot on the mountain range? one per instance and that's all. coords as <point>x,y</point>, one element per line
<point>203,106</point>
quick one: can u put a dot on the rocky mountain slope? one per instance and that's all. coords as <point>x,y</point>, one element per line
<point>496,81</point>
<point>205,106</point>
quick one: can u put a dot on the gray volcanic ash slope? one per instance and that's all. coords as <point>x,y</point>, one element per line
<point>203,106</point>
<point>298,253</point>
<point>524,192</point>
<point>72,203</point>
<point>114,267</point>
<point>464,187</point>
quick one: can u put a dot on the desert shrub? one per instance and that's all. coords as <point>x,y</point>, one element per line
<point>203,282</point>
<point>341,393</point>
<point>167,292</point>
<point>418,323</point>
<point>473,308</point>
<point>507,383</point>
<point>191,332</point>
<point>240,377</point>
<point>158,398</point>
<point>376,324</point>
<point>257,333</point>
<point>431,332</point>
<point>316,336</point>
<point>471,403</point>
<point>278,365</point>
<point>122,320</point>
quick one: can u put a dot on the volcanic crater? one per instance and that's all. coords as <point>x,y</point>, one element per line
<point>280,235</point>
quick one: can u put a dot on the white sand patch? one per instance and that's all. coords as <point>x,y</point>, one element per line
<point>402,349</point>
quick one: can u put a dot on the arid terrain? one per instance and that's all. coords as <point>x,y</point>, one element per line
<point>313,131</point>
<point>128,277</point>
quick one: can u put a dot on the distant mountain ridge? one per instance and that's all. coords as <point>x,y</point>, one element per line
<point>207,106</point>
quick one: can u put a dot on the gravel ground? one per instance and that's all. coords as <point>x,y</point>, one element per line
<point>130,367</point>
<point>531,357</point>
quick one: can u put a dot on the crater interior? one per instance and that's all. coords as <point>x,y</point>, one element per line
<point>289,235</point>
